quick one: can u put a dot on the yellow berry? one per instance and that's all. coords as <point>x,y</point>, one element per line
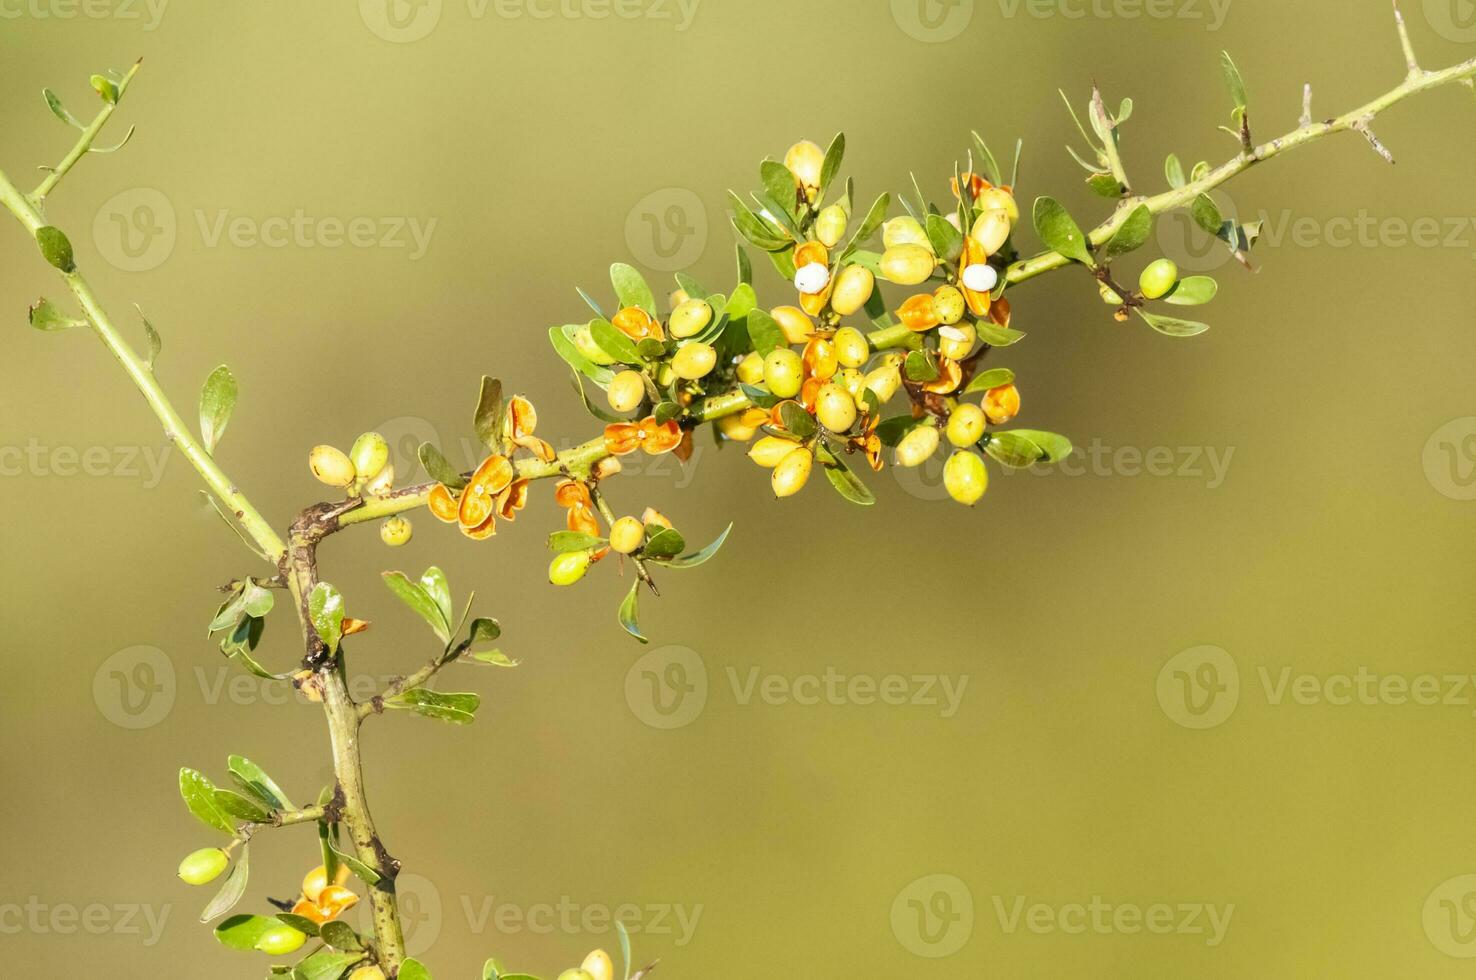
<point>918,446</point>
<point>991,230</point>
<point>1158,279</point>
<point>569,567</point>
<point>966,425</point>
<point>395,531</point>
<point>907,265</point>
<point>770,451</point>
<point>806,160</point>
<point>830,226</point>
<point>851,347</point>
<point>957,342</point>
<point>949,303</point>
<point>792,320</point>
<point>280,941</point>
<point>627,534</point>
<point>905,230</point>
<point>690,318</point>
<point>369,455</point>
<point>626,391</point>
<point>999,199</point>
<point>853,287</point>
<point>735,428</point>
<point>331,466</point>
<point>790,475</point>
<point>676,298</point>
<point>575,974</point>
<point>203,866</point>
<point>367,973</point>
<point>884,381</point>
<point>598,965</point>
<point>751,368</point>
<point>694,360</point>
<point>965,477</point>
<point>784,372</point>
<point>835,408</point>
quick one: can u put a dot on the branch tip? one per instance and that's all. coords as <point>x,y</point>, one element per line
<point>1362,127</point>
<point>1405,43</point>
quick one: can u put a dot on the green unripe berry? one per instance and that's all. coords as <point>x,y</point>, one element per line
<point>949,303</point>
<point>689,318</point>
<point>784,372</point>
<point>569,567</point>
<point>966,425</point>
<point>830,226</point>
<point>585,343</point>
<point>575,974</point>
<point>331,466</point>
<point>1158,279</point>
<point>203,866</point>
<point>396,531</point>
<point>965,477</point>
<point>281,940</point>
<point>1109,296</point>
<point>369,455</point>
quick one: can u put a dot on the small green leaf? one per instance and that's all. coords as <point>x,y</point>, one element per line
<point>239,807</point>
<point>697,557</point>
<point>1025,447</point>
<point>413,969</point>
<point>993,378</point>
<point>325,965</point>
<point>1130,235</point>
<point>796,421</point>
<point>106,88</point>
<point>417,598</point>
<point>199,796</point>
<point>234,888</point>
<point>56,248</point>
<point>1172,326</point>
<point>433,581</point>
<point>252,778</point>
<point>846,483</point>
<point>664,545</point>
<point>997,336</point>
<point>1234,82</point>
<point>1193,291</point>
<point>303,925</point>
<point>947,241</point>
<point>890,431</point>
<point>834,155</point>
<point>779,186</point>
<point>483,630</point>
<point>758,234</point>
<point>764,333</point>
<point>458,709</point>
<point>156,343</point>
<point>744,264</point>
<point>1059,231</point>
<point>562,542</point>
<point>340,935</point>
<point>920,366</point>
<point>488,418</point>
<point>59,110</point>
<point>1105,185</point>
<point>217,402</point>
<point>631,288</point>
<point>438,468</point>
<point>613,342</point>
<point>870,224</point>
<point>1174,171</point>
<point>629,613</point>
<point>325,608</point>
<point>565,348</point>
<point>44,315</point>
<point>1206,214</point>
<point>360,870</point>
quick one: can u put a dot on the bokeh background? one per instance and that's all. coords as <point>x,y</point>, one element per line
<point>1212,670</point>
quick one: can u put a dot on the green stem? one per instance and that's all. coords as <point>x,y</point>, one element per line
<point>1355,121</point>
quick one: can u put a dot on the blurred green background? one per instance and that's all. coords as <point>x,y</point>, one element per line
<point>1301,539</point>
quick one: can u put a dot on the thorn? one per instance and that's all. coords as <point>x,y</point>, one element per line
<point>1362,126</point>
<point>1409,55</point>
<point>1307,105</point>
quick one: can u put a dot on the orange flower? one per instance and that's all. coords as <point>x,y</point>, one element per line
<point>568,493</point>
<point>820,358</point>
<point>581,518</point>
<point>513,499</point>
<point>622,438</point>
<point>477,512</point>
<point>950,376</point>
<point>322,901</point>
<point>868,443</point>
<point>442,503</point>
<point>638,325</point>
<point>1002,404</point>
<point>920,313</point>
<point>522,419</point>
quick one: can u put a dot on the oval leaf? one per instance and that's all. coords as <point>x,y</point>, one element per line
<point>217,402</point>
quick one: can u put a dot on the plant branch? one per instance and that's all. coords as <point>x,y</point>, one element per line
<point>85,141</point>
<point>1357,120</point>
